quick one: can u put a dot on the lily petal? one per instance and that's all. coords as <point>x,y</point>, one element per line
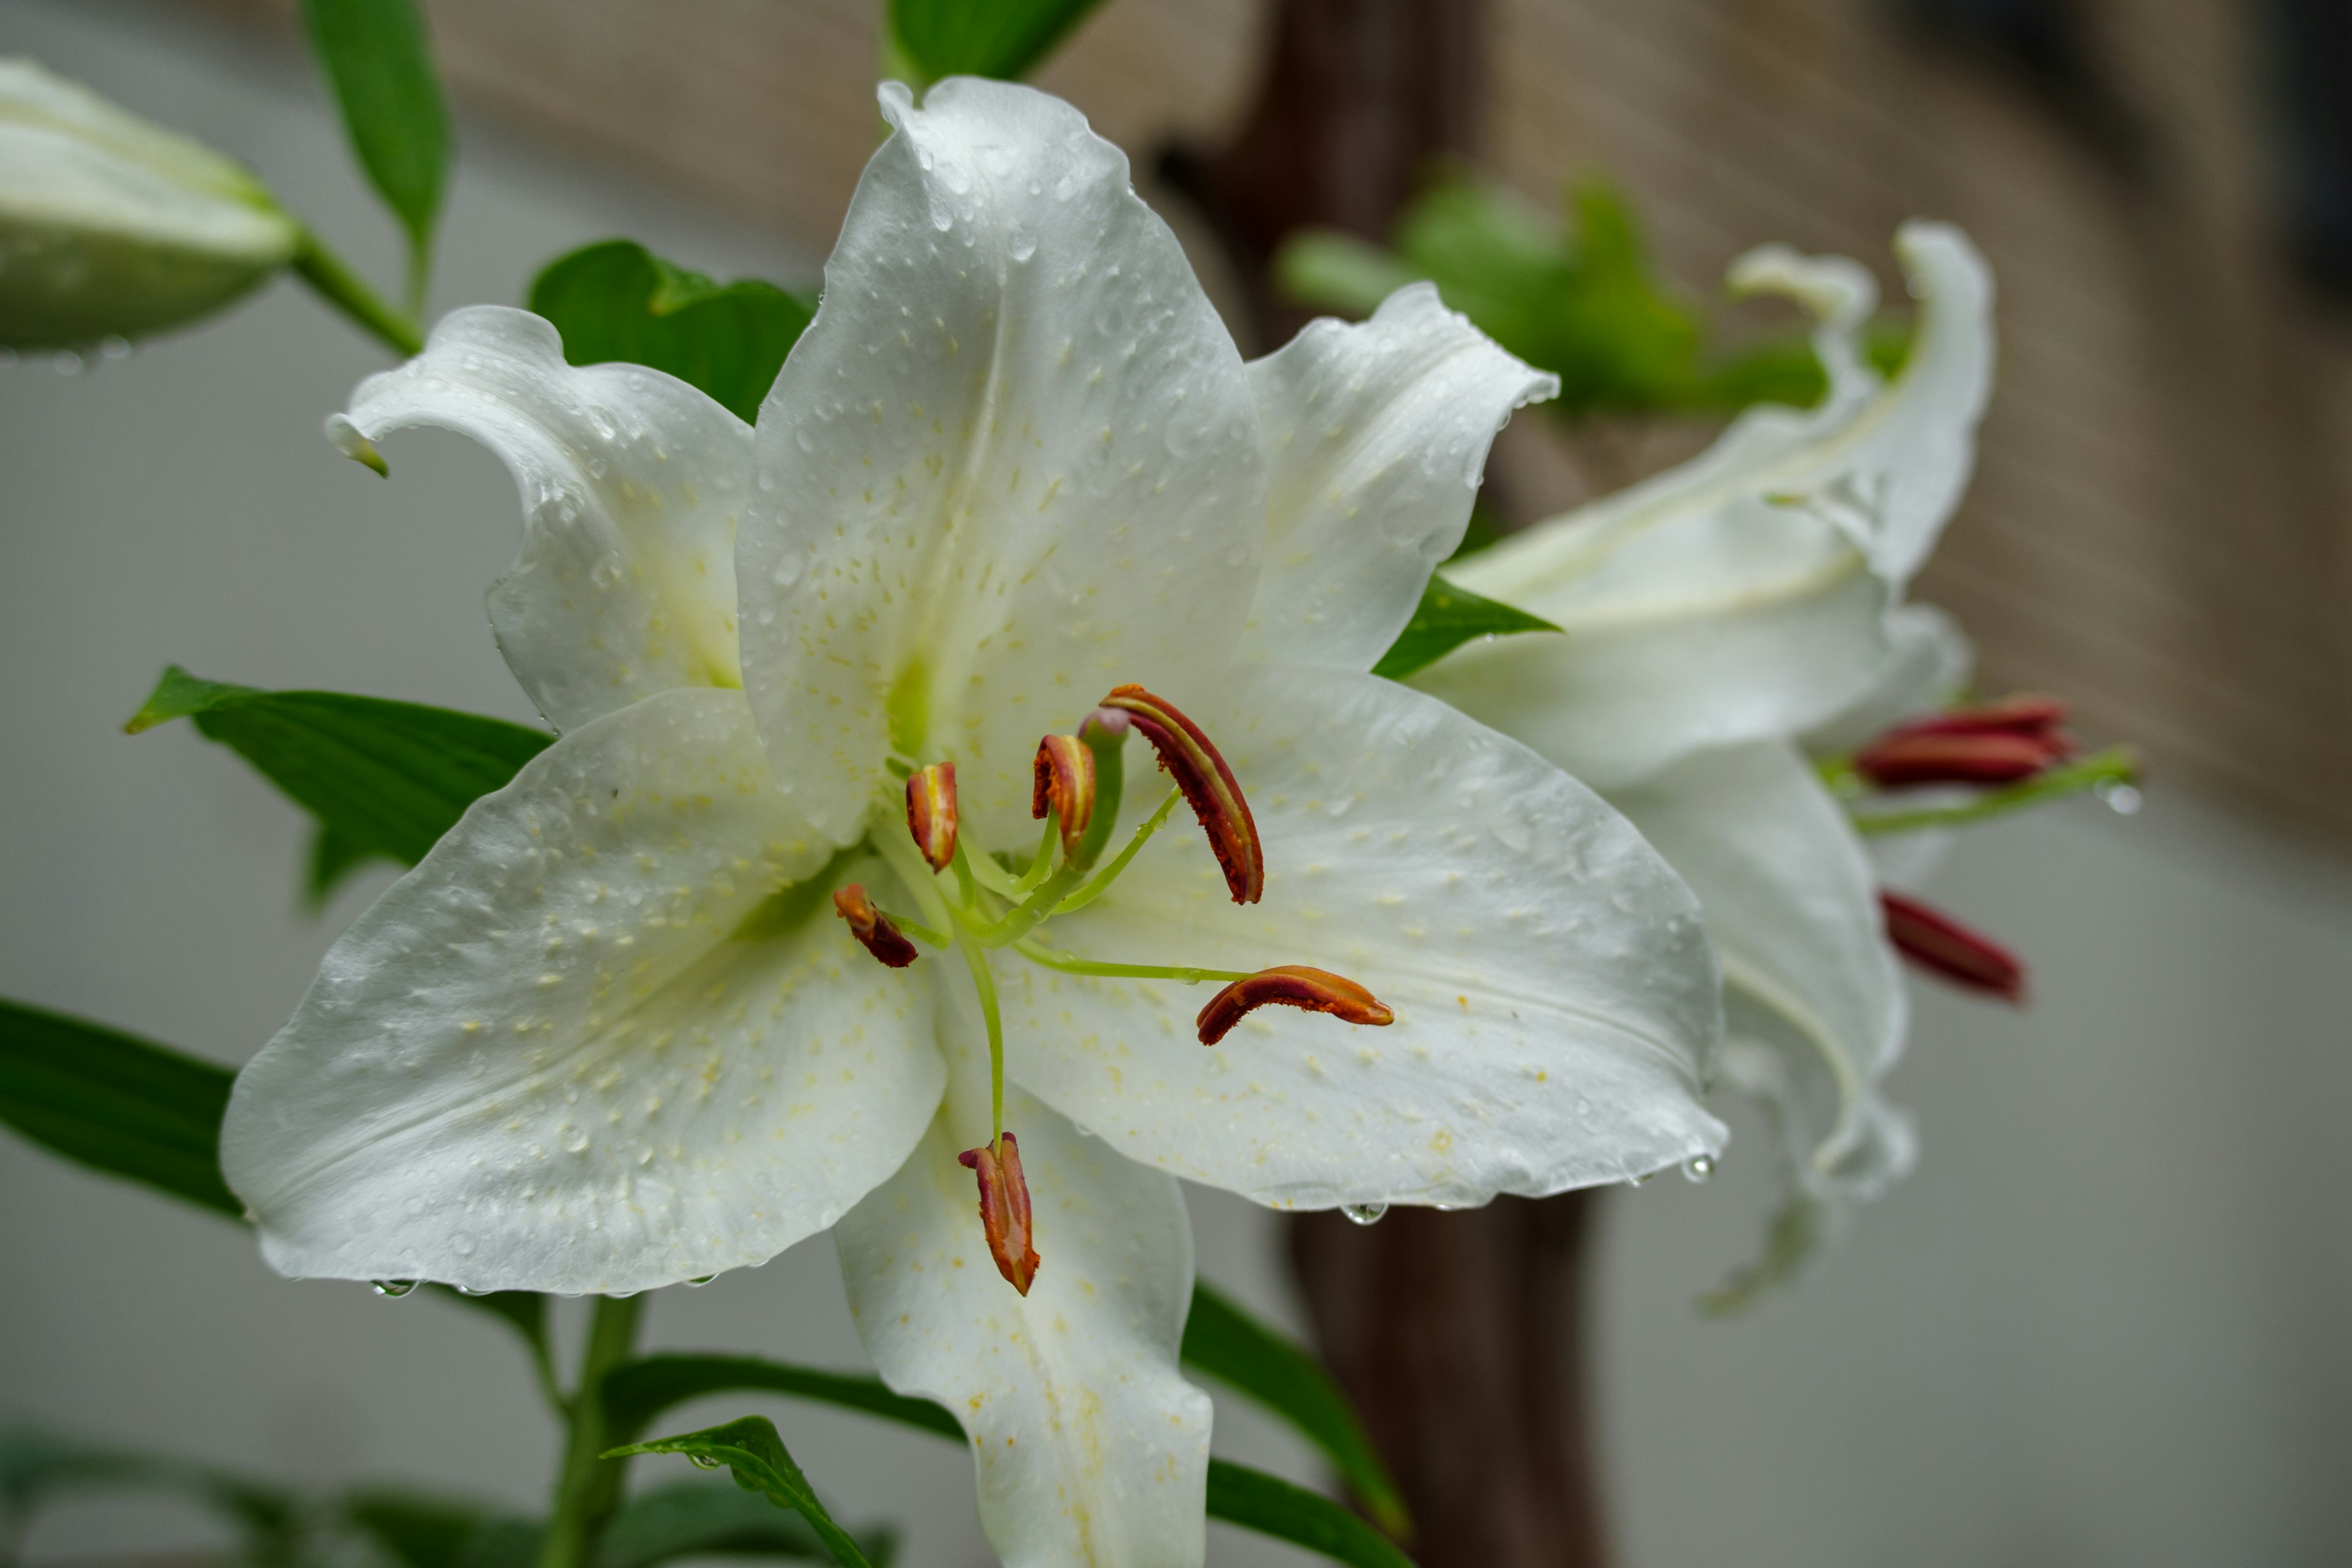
<point>1089,1444</point>
<point>630,483</point>
<point>1742,596</point>
<point>1376,436</point>
<point>1554,998</point>
<point>1793,908</point>
<point>1013,462</point>
<point>1930,663</point>
<point>585,1044</point>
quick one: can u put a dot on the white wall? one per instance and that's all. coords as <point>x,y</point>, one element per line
<point>2100,1326</point>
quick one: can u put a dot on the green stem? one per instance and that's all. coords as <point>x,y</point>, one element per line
<point>340,287</point>
<point>588,1485</point>
<point>2118,764</point>
<point>985,983</point>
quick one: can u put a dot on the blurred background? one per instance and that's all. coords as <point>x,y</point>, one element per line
<point>2103,1324</point>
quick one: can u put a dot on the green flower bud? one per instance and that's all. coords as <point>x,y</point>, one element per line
<point>110,225</point>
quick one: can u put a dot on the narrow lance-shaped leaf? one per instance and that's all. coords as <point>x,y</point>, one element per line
<point>38,1467</point>
<point>131,1108</point>
<point>382,778</point>
<point>1228,1344</point>
<point>707,1518</point>
<point>637,1391</point>
<point>616,300</point>
<point>752,1450</point>
<point>932,39</point>
<point>379,64</point>
<point>1446,617</point>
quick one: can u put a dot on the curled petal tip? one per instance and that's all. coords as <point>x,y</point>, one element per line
<point>1209,786</point>
<point>887,943</point>
<point>1004,1209</point>
<point>931,813</point>
<point>1064,784</point>
<point>1934,941</point>
<point>1291,985</point>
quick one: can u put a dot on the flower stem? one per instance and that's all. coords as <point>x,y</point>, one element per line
<point>339,285</point>
<point>588,1486</point>
<point>2118,764</point>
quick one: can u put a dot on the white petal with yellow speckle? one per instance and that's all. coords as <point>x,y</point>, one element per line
<point>585,1044</point>
<point>632,482</point>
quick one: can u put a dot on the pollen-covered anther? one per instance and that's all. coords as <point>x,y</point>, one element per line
<point>1064,786</point>
<point>1209,786</point>
<point>1291,985</point>
<point>1934,941</point>
<point>931,813</point>
<point>1989,744</point>
<point>1004,1208</point>
<point>869,925</point>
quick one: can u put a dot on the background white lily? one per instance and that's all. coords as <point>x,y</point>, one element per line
<point>111,225</point>
<point>1718,615</point>
<point>606,1036</point>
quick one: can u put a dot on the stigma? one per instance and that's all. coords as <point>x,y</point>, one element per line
<point>1004,1208</point>
<point>1291,985</point>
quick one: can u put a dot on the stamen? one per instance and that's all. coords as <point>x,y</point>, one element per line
<point>1937,942</point>
<point>869,925</point>
<point>1004,1208</point>
<point>1292,986</point>
<point>1982,757</point>
<point>1065,786</point>
<point>1209,786</point>
<point>931,813</point>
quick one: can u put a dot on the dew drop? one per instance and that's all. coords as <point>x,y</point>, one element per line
<point>1698,1167</point>
<point>701,1279</point>
<point>1364,1213</point>
<point>1237,556</point>
<point>2119,798</point>
<point>114,348</point>
<point>395,1289</point>
<point>68,363</point>
<point>704,1462</point>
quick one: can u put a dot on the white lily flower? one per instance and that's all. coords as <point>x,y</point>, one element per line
<point>608,1034</point>
<point>1724,612</point>
<point>111,225</point>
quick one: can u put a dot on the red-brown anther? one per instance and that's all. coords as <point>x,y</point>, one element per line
<point>1209,786</point>
<point>931,813</point>
<point>1990,743</point>
<point>1292,986</point>
<point>1064,784</point>
<point>1004,1209</point>
<point>1937,942</point>
<point>872,927</point>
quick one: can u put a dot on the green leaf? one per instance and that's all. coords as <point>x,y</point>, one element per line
<point>1329,269</point>
<point>999,38</point>
<point>1446,617</point>
<point>635,1391</point>
<point>385,778</point>
<point>418,1532</point>
<point>752,1449</point>
<point>1228,1344</point>
<point>379,64</point>
<point>616,300</point>
<point>116,1103</point>
<point>1272,1506</point>
<point>38,1467</point>
<point>700,1518</point>
<point>333,859</point>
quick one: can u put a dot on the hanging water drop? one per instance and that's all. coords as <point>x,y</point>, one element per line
<point>114,348</point>
<point>1364,1213</point>
<point>395,1289</point>
<point>2117,797</point>
<point>1698,1167</point>
<point>701,1279</point>
<point>705,1462</point>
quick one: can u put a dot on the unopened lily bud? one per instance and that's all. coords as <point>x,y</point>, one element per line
<point>113,227</point>
<point>1990,743</point>
<point>1209,786</point>
<point>931,813</point>
<point>1291,985</point>
<point>1004,1209</point>
<point>869,925</point>
<point>1934,941</point>
<point>1064,786</point>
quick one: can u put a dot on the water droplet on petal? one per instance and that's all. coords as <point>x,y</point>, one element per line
<point>2119,798</point>
<point>700,1279</point>
<point>115,348</point>
<point>1698,1167</point>
<point>392,1287</point>
<point>1237,556</point>
<point>1364,1213</point>
<point>704,1462</point>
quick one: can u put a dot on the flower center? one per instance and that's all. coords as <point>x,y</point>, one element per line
<point>976,902</point>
